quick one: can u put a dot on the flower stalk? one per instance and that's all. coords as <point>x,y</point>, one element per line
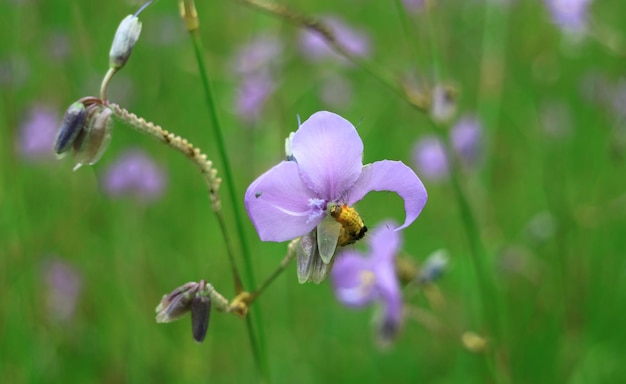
<point>189,15</point>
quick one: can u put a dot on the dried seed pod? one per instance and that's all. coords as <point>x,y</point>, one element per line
<point>95,137</point>
<point>73,122</point>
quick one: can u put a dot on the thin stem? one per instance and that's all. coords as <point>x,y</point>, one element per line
<point>105,83</point>
<point>291,253</point>
<point>189,15</point>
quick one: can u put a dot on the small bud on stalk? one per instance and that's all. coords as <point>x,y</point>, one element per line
<point>124,40</point>
<point>200,313</point>
<point>191,297</point>
<point>72,124</point>
<point>86,129</point>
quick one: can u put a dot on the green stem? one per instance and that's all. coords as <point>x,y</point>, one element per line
<point>258,346</point>
<point>291,253</point>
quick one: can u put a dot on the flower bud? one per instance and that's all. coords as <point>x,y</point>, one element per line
<point>433,267</point>
<point>443,103</point>
<point>125,38</point>
<point>72,124</point>
<point>174,305</point>
<point>200,313</point>
<point>95,137</point>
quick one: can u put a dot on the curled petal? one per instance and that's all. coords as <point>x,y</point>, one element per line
<point>329,153</point>
<point>394,176</point>
<point>280,205</point>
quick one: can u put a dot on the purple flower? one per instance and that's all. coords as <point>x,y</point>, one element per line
<point>62,287</point>
<point>37,133</point>
<point>257,55</point>
<point>359,280</point>
<point>429,157</point>
<point>316,187</point>
<point>314,47</point>
<point>467,139</point>
<point>136,174</point>
<point>429,153</point>
<point>570,15</point>
<point>252,94</point>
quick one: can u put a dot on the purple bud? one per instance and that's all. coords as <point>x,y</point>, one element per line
<point>73,122</point>
<point>200,313</point>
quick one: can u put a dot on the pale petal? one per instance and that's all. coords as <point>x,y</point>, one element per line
<point>279,204</point>
<point>306,251</point>
<point>394,176</point>
<point>320,270</point>
<point>329,153</point>
<point>327,237</point>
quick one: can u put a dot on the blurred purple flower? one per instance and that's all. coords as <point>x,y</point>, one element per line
<point>429,154</point>
<point>62,286</point>
<point>324,170</point>
<point>467,139</point>
<point>429,158</point>
<point>257,55</point>
<point>253,64</point>
<point>359,280</point>
<point>252,94</point>
<point>134,173</point>
<point>570,15</point>
<point>37,133</point>
<point>314,47</point>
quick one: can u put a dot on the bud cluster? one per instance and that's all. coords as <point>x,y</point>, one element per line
<point>190,297</point>
<point>86,130</point>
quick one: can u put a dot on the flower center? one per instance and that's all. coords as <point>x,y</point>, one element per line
<point>352,226</point>
<point>316,208</point>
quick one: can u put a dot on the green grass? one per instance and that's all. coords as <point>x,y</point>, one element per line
<point>560,312</point>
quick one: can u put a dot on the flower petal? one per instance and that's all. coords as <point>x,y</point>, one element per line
<point>327,237</point>
<point>390,296</point>
<point>329,153</point>
<point>306,251</point>
<point>353,280</point>
<point>394,176</point>
<point>384,241</point>
<point>279,204</point>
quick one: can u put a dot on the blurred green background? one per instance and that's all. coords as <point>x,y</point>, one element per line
<point>554,148</point>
